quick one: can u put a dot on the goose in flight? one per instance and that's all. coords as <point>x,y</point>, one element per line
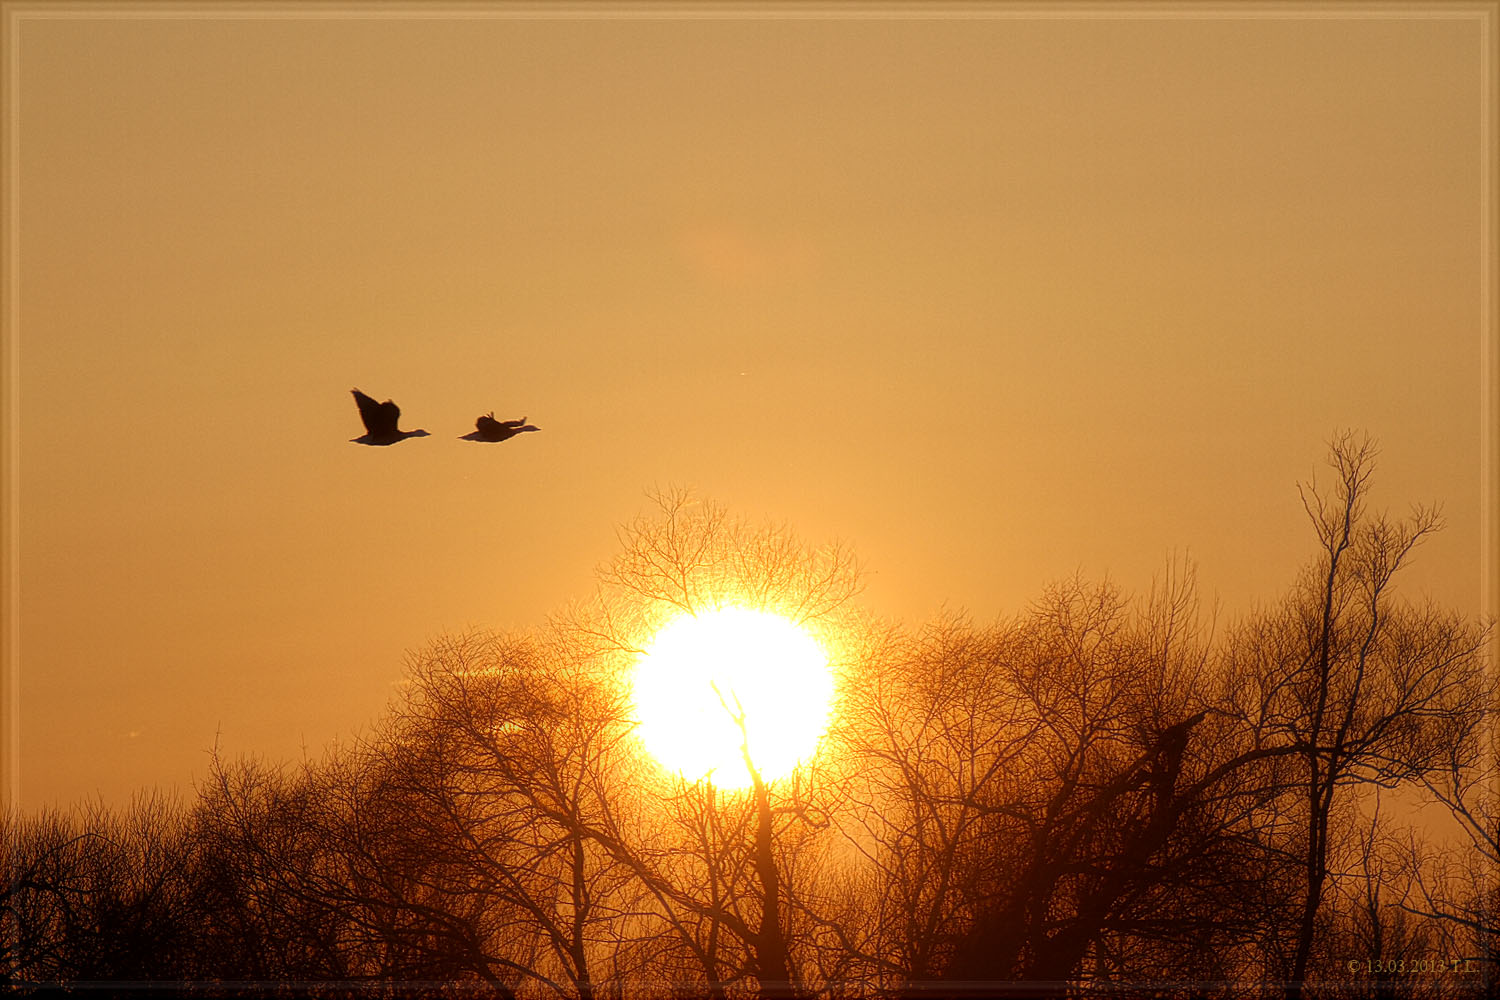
<point>487,428</point>
<point>380,421</point>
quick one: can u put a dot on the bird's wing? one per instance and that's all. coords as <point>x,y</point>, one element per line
<point>487,424</point>
<point>390,416</point>
<point>380,418</point>
<point>369,411</point>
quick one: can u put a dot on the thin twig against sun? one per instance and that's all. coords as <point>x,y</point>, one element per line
<point>777,678</point>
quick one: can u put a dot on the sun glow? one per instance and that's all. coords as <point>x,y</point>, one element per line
<point>704,674</point>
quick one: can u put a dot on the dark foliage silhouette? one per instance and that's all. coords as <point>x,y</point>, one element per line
<point>381,422</point>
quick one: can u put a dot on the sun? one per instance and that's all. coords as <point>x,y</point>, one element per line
<point>703,672</point>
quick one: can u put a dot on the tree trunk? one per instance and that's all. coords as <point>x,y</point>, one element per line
<point>770,945</point>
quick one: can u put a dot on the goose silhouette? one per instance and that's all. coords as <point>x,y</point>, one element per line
<point>380,421</point>
<point>487,428</point>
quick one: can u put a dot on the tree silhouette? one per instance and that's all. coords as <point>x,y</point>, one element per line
<point>1098,794</point>
<point>1367,689</point>
<point>1459,884</point>
<point>716,865</point>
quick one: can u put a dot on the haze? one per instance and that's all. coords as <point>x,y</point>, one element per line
<point>994,299</point>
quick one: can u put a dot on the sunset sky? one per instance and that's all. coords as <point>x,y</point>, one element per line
<point>991,294</point>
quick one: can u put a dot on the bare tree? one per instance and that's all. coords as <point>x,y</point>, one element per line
<point>506,752</point>
<point>716,867</point>
<point>933,733</point>
<point>95,895</point>
<point>1459,883</point>
<point>280,881</point>
<point>1374,943</point>
<point>1126,827</point>
<point>1368,689</point>
<point>1033,803</point>
<point>1092,796</point>
<point>498,817</point>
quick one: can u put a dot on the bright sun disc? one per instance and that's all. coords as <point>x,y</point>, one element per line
<point>701,671</point>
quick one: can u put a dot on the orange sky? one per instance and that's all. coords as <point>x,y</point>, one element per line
<point>992,298</point>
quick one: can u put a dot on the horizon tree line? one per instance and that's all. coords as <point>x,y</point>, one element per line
<point>1097,795</point>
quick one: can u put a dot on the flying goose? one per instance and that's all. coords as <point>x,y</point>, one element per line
<point>487,428</point>
<point>380,421</point>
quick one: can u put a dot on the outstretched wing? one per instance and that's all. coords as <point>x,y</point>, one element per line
<point>380,418</point>
<point>488,424</point>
